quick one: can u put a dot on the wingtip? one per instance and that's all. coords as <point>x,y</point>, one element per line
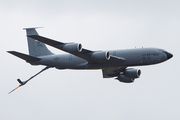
<point>10,52</point>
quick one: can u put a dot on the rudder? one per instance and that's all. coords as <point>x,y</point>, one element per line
<point>36,48</point>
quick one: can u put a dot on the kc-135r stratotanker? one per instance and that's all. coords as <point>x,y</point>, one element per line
<point>113,63</point>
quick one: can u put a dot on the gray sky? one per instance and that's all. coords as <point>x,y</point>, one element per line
<point>98,25</point>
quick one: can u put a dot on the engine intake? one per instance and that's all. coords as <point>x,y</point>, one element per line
<point>73,47</point>
<point>104,55</point>
<point>132,73</point>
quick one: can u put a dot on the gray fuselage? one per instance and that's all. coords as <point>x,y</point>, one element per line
<point>133,57</point>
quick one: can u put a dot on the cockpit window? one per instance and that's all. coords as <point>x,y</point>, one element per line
<point>161,50</point>
<point>164,50</point>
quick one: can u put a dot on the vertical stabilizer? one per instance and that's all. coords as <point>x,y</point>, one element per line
<point>36,48</point>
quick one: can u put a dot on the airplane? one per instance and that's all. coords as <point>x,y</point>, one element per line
<point>113,63</point>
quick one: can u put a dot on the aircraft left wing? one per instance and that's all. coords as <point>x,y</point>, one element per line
<point>77,50</point>
<point>85,54</point>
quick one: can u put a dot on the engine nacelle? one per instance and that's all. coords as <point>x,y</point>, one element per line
<point>73,47</point>
<point>132,73</point>
<point>121,78</point>
<point>103,55</point>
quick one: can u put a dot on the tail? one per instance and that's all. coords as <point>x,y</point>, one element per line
<point>36,48</point>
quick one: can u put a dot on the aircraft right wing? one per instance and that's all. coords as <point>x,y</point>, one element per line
<point>112,72</point>
<point>77,50</point>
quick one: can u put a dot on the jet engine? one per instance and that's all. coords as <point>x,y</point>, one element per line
<point>121,78</point>
<point>73,47</point>
<point>129,75</point>
<point>103,55</point>
<point>132,73</point>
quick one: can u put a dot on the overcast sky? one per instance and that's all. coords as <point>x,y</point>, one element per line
<point>97,25</point>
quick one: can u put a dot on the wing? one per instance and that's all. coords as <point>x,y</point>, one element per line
<point>84,53</point>
<point>112,72</point>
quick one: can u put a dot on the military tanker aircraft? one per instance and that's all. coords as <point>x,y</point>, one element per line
<point>113,63</point>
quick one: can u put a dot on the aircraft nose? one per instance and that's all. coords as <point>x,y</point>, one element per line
<point>169,55</point>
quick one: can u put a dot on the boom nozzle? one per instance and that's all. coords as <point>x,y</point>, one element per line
<point>14,89</point>
<point>21,84</point>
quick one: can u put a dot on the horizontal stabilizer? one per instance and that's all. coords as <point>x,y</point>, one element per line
<point>23,56</point>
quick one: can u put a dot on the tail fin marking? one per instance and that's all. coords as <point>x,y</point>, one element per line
<point>36,48</point>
